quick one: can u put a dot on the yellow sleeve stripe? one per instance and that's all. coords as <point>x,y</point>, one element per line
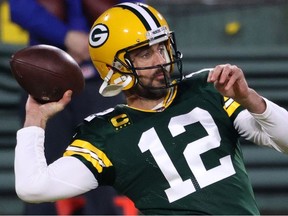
<point>92,154</point>
<point>230,106</point>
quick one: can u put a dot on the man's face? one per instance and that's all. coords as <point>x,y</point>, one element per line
<point>152,79</point>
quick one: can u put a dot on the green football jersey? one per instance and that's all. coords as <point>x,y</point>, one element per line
<point>185,159</point>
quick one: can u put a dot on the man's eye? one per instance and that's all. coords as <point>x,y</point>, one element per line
<point>145,54</point>
<point>161,49</point>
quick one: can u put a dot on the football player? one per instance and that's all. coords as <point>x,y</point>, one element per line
<point>173,148</point>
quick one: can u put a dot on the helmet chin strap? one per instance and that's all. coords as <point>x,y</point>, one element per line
<point>109,90</point>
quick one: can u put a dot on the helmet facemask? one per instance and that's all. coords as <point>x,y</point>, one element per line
<point>171,69</point>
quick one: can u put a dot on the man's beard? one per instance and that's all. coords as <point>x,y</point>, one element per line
<point>148,90</point>
<point>149,93</point>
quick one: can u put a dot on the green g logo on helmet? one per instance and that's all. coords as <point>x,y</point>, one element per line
<point>99,35</point>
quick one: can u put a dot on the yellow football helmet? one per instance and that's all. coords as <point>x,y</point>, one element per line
<point>121,29</point>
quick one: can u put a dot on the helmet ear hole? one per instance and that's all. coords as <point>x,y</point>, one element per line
<point>126,81</point>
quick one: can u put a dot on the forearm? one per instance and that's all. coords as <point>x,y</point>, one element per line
<point>275,123</point>
<point>36,181</point>
<point>268,128</point>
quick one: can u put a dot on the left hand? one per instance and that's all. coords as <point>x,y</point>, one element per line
<point>229,80</point>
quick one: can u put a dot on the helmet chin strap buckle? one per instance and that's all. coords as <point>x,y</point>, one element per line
<point>110,90</point>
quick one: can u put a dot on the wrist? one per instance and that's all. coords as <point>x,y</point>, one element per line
<point>254,103</point>
<point>33,121</point>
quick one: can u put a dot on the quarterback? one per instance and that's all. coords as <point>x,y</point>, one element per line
<point>173,148</point>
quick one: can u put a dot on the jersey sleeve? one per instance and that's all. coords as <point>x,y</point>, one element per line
<point>231,107</point>
<point>88,145</point>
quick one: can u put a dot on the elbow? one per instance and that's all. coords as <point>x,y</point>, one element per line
<point>26,196</point>
<point>30,194</point>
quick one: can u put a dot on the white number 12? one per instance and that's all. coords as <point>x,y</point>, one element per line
<point>179,188</point>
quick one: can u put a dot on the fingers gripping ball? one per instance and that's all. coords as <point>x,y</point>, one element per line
<point>46,72</point>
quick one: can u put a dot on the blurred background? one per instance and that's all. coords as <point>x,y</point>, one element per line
<point>252,34</point>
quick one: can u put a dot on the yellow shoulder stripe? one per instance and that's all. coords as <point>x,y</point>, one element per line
<point>92,154</point>
<point>230,105</point>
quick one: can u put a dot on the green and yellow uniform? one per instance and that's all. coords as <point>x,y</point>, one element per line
<point>184,159</point>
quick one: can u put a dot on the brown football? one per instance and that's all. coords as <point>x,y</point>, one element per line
<point>46,72</point>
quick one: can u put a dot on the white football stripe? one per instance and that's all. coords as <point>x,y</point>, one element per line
<point>86,151</point>
<point>143,12</point>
